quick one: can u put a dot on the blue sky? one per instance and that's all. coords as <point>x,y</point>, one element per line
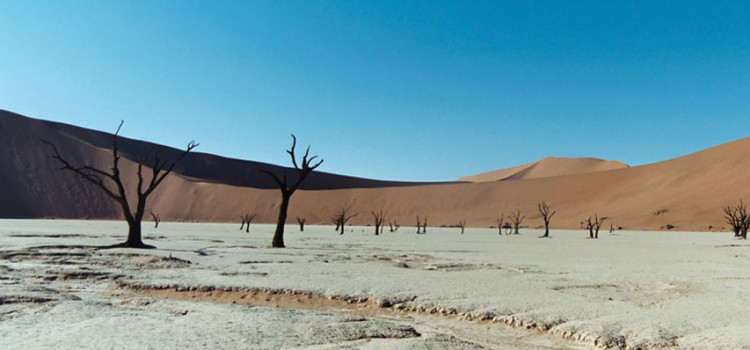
<point>402,90</point>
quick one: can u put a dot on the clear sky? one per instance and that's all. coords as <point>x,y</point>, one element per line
<point>400,90</point>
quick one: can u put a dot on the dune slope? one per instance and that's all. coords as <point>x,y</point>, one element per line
<point>686,192</point>
<point>547,167</point>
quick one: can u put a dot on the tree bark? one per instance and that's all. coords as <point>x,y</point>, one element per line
<point>135,239</point>
<point>278,235</point>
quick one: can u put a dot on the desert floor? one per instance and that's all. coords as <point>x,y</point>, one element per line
<point>214,286</point>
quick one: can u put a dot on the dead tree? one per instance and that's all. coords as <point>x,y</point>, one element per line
<point>287,189</point>
<point>546,216</point>
<point>394,226</point>
<point>246,220</point>
<point>156,218</point>
<point>500,220</point>
<point>508,228</point>
<point>379,218</point>
<point>421,226</point>
<point>462,225</point>
<point>110,182</point>
<point>594,226</point>
<point>516,219</point>
<point>737,217</point>
<point>341,218</point>
<point>301,222</point>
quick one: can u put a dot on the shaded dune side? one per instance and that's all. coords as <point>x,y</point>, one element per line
<point>201,166</point>
<point>32,188</point>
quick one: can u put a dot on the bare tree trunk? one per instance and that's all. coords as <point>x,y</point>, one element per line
<point>156,218</point>
<point>134,235</point>
<point>278,235</point>
<point>379,218</point>
<point>516,219</point>
<point>287,190</point>
<point>301,222</point>
<point>500,223</point>
<point>110,182</point>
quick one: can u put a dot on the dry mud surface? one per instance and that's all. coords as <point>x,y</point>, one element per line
<point>214,286</point>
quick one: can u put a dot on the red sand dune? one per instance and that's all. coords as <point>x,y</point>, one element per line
<point>547,167</point>
<point>688,191</point>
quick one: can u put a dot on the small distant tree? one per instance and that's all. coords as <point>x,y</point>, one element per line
<point>301,222</point>
<point>737,217</point>
<point>421,225</point>
<point>462,225</point>
<point>287,189</point>
<point>508,228</point>
<point>379,218</point>
<point>246,220</point>
<point>394,226</point>
<point>341,218</point>
<point>516,218</point>
<point>546,216</point>
<point>500,222</point>
<point>157,219</point>
<point>110,182</point>
<point>595,225</point>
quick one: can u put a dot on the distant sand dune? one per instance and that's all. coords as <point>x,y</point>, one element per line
<point>547,167</point>
<point>687,192</point>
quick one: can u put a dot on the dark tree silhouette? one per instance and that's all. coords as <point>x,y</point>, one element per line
<point>421,226</point>
<point>516,219</point>
<point>287,190</point>
<point>500,220</point>
<point>594,226</point>
<point>301,222</point>
<point>394,226</point>
<point>110,182</point>
<point>737,217</point>
<point>246,220</point>
<point>546,216</point>
<point>379,218</point>
<point>157,219</point>
<point>341,218</point>
<point>462,225</point>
